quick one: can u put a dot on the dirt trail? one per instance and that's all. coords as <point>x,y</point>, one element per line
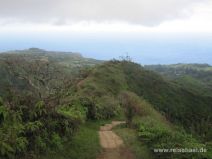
<point>112,144</point>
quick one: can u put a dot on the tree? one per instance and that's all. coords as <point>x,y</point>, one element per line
<point>131,102</point>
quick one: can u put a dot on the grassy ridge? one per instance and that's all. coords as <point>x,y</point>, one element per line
<point>175,102</point>
<point>180,105</point>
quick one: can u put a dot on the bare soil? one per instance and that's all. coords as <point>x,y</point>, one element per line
<point>113,146</point>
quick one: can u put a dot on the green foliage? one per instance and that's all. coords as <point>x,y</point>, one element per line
<point>39,72</point>
<point>151,131</point>
<point>47,97</point>
<point>3,112</point>
<point>34,83</point>
<point>130,137</point>
<point>56,141</point>
<point>39,109</point>
<point>40,144</point>
<point>107,107</point>
<point>75,112</point>
<point>180,105</point>
<point>22,144</point>
<point>6,150</point>
<point>194,77</point>
<point>33,127</point>
<point>1,101</point>
<point>11,129</point>
<point>89,104</point>
<point>155,131</point>
<point>135,107</point>
<point>159,137</point>
<point>106,79</point>
<point>83,145</point>
<point>131,104</point>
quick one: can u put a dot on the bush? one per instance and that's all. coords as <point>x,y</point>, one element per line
<point>56,141</point>
<point>73,111</point>
<point>103,107</point>
<point>152,131</point>
<point>89,104</point>
<point>131,104</point>
<point>11,129</point>
<point>40,144</point>
<point>107,107</point>
<point>158,136</point>
<point>28,131</point>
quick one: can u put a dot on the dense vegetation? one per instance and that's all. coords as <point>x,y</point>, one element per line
<point>47,96</point>
<point>39,72</point>
<point>158,133</point>
<point>32,120</point>
<point>194,77</point>
<point>83,145</point>
<point>179,105</point>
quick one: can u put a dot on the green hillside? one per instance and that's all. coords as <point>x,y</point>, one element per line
<point>195,77</point>
<point>38,71</point>
<point>178,104</point>
<point>49,99</point>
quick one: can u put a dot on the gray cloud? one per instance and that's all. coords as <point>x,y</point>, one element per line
<point>145,12</point>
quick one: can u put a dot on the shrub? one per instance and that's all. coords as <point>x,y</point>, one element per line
<point>11,140</point>
<point>56,141</point>
<point>75,112</point>
<point>158,136</point>
<point>107,107</point>
<point>40,144</point>
<point>89,104</point>
<point>103,107</point>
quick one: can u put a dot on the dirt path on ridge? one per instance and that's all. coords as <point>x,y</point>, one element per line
<point>112,144</point>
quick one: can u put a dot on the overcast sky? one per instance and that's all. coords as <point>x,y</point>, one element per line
<point>91,15</point>
<point>151,31</point>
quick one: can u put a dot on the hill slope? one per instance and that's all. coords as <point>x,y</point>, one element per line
<point>39,71</point>
<point>195,77</point>
<point>179,104</point>
<point>31,124</point>
<point>161,103</point>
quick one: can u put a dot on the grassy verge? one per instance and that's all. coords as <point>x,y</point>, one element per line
<point>84,145</point>
<point>130,138</point>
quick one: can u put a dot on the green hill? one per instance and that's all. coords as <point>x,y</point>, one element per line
<point>46,96</point>
<point>195,77</point>
<point>38,71</point>
<point>179,104</point>
<point>102,89</point>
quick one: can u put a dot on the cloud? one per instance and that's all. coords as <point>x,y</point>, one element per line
<point>60,12</point>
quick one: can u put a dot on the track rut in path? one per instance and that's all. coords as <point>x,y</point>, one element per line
<point>112,144</point>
